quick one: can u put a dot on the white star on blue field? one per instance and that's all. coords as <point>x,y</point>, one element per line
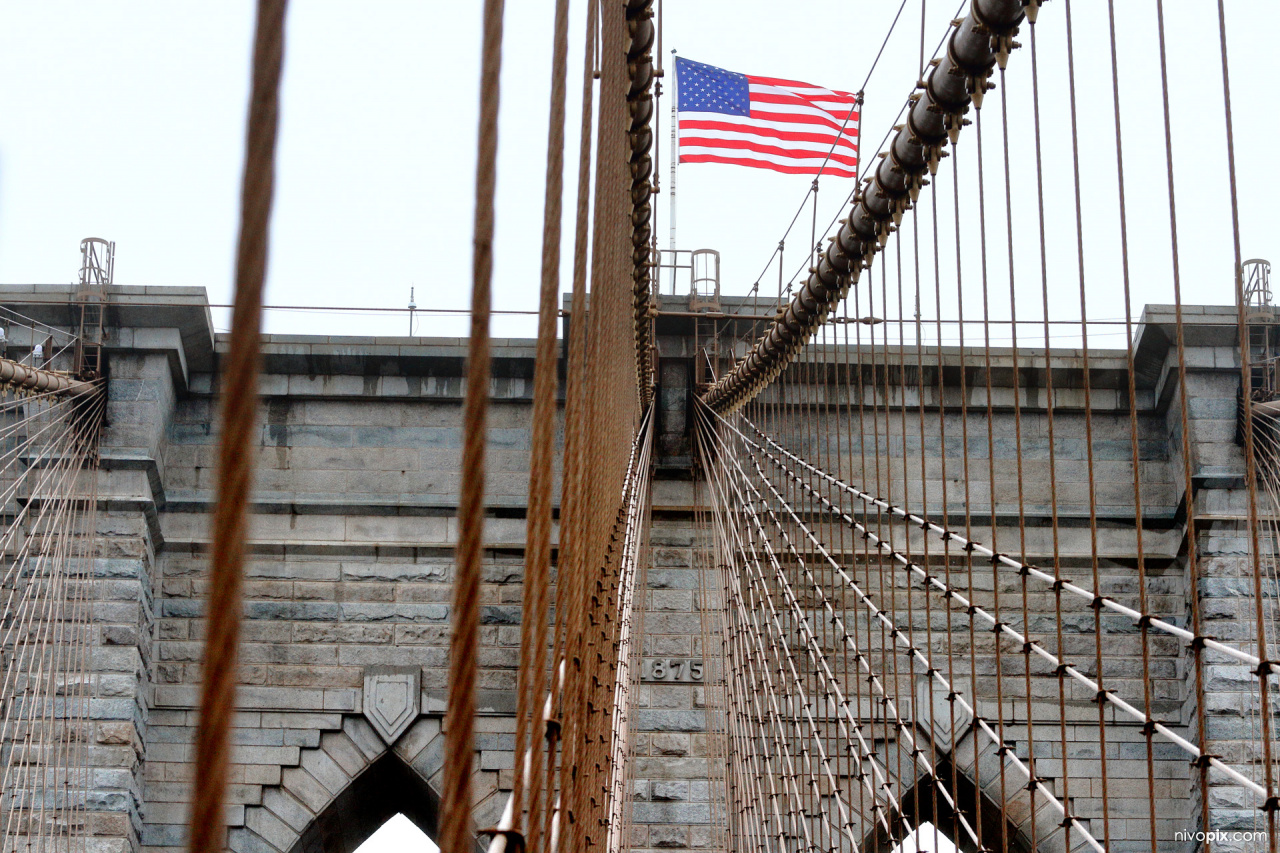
<point>706,89</point>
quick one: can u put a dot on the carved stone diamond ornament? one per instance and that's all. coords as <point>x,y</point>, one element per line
<point>391,696</point>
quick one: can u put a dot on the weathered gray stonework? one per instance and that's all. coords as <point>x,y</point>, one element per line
<point>675,764</point>
<point>351,563</point>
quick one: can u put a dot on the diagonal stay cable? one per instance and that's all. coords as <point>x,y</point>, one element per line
<point>875,680</point>
<point>814,651</point>
<point>806,704</point>
<point>945,534</point>
<point>746,624</point>
<point>932,582</point>
<point>879,614</point>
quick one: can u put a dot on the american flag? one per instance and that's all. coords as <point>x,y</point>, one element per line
<point>765,122</point>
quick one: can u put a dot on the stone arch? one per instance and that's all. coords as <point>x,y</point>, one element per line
<point>917,806</point>
<point>1011,819</point>
<point>1008,816</point>
<point>344,789</point>
<point>1010,827</point>
<point>386,788</point>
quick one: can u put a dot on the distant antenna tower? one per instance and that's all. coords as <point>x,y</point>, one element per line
<point>413,306</point>
<point>97,271</point>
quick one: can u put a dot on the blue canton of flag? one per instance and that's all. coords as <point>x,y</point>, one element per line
<point>707,89</point>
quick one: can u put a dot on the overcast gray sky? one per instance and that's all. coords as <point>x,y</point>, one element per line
<point>125,120</point>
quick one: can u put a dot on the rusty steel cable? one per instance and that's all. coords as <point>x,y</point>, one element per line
<point>989,424</point>
<point>783,655</point>
<point>596,577</point>
<point>598,506</point>
<point>760,685</point>
<point>44,544</point>
<point>895,633</point>
<point>529,766</point>
<point>882,685</point>
<point>947,534</point>
<point>813,645</point>
<point>901,725</point>
<point>1090,457</point>
<point>934,583</point>
<point>534,611</point>
<point>568,604</point>
<point>1188,482</point>
<point>1071,674</point>
<point>1144,626</point>
<point>1050,427</point>
<point>816,651</point>
<point>633,574</point>
<point>239,396</point>
<point>1265,698</point>
<point>455,811</point>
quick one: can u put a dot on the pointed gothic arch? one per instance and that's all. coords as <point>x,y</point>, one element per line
<point>1022,824</point>
<point>977,807</point>
<point>343,790</point>
<point>387,787</point>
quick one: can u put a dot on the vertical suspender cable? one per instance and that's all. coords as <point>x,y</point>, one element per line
<point>572,529</point>
<point>1186,439</point>
<point>533,641</point>
<point>1251,475</point>
<point>239,416</point>
<point>455,812</point>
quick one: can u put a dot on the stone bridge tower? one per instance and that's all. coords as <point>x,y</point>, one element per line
<point>347,597</point>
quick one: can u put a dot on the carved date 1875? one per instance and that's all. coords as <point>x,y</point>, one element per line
<point>671,669</point>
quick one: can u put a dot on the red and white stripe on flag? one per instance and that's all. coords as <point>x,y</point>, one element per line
<point>765,122</point>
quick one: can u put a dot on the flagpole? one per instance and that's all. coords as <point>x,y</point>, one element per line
<point>671,183</point>
<point>655,253</point>
<point>923,8</point>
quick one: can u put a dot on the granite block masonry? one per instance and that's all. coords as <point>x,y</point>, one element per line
<point>345,643</point>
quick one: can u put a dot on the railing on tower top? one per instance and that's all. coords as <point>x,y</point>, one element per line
<point>690,276</point>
